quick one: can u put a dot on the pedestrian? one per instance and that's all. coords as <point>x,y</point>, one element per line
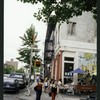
<point>93,80</point>
<point>38,89</point>
<point>60,85</point>
<point>60,82</point>
<point>46,78</point>
<point>37,79</point>
<point>54,90</point>
<point>87,74</point>
<point>49,86</point>
<point>45,85</point>
<point>88,77</point>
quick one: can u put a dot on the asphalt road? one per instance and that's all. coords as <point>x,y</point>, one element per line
<point>13,96</point>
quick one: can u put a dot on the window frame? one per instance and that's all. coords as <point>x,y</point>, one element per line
<point>71,28</point>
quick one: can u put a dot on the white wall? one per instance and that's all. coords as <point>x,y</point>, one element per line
<point>84,40</point>
<point>86,29</point>
<point>79,46</point>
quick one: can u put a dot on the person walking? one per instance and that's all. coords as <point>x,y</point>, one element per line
<point>38,89</point>
<point>50,82</point>
<point>60,82</point>
<point>37,79</point>
<point>45,86</point>
<point>54,90</point>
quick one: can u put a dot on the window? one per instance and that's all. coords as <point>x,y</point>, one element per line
<point>16,76</point>
<point>67,68</point>
<point>71,28</point>
<point>68,59</point>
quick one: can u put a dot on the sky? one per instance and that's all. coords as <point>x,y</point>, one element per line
<point>18,17</point>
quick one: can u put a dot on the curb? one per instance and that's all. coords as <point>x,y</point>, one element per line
<point>24,98</point>
<point>20,98</point>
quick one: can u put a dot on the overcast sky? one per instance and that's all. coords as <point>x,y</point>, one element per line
<point>18,17</point>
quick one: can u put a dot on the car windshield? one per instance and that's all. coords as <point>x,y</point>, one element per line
<point>6,75</point>
<point>16,76</point>
<point>9,80</point>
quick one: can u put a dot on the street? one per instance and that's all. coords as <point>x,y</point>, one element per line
<point>13,96</point>
<point>44,97</point>
<point>21,96</point>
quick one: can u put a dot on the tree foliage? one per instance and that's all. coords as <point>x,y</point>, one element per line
<point>28,39</point>
<point>64,9</point>
<point>88,56</point>
<point>21,70</point>
<point>8,69</point>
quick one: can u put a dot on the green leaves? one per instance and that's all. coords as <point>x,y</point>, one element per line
<point>29,38</point>
<point>8,69</point>
<point>64,9</point>
<point>21,70</point>
<point>88,56</point>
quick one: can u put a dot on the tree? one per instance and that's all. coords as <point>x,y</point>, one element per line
<point>21,70</point>
<point>8,69</point>
<point>88,56</point>
<point>64,9</point>
<point>28,39</point>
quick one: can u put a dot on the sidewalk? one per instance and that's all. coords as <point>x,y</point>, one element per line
<point>45,96</point>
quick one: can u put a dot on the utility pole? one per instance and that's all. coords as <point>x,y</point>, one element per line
<point>30,66</point>
<point>29,80</point>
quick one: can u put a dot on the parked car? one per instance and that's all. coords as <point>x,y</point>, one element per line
<point>92,96</point>
<point>10,84</point>
<point>6,75</point>
<point>21,77</point>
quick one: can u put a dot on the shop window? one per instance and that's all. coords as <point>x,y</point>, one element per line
<point>68,58</point>
<point>67,68</point>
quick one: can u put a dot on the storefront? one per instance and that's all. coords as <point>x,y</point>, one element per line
<point>88,61</point>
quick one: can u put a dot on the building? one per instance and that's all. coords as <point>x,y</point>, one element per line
<point>69,40</point>
<point>12,63</point>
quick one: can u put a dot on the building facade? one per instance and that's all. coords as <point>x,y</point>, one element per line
<point>79,35</point>
<point>71,39</point>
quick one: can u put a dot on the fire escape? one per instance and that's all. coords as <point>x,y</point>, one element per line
<point>49,48</point>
